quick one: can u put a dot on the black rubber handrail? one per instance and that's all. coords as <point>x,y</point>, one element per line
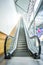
<point>5,46</point>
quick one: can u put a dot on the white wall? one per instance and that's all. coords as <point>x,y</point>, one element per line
<point>8,16</point>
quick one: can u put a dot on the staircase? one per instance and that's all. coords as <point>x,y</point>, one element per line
<point>21,50</point>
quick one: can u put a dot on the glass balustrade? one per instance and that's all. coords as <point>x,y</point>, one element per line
<point>8,44</point>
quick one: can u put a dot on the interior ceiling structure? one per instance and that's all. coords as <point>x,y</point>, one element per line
<point>26,7</point>
<point>22,5</point>
<point>39,17</point>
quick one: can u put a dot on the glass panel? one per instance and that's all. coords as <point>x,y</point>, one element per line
<point>39,24</point>
<point>33,42</point>
<point>32,30</point>
<point>9,44</point>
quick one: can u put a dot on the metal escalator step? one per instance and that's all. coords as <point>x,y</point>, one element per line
<point>21,39</point>
<point>23,46</point>
<point>25,50</point>
<point>21,54</point>
<point>20,43</point>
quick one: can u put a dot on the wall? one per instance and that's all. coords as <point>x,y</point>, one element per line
<point>8,16</point>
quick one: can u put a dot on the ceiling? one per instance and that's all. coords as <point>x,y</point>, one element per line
<point>22,5</point>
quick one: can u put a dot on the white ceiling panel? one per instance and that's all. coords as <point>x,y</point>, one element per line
<point>23,4</point>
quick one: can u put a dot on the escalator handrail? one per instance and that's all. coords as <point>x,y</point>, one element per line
<point>5,46</point>
<point>6,43</point>
<point>38,43</point>
<point>37,39</point>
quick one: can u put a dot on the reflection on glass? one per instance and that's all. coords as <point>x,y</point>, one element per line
<point>8,44</point>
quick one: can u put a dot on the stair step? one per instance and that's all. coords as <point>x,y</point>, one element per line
<point>20,53</point>
<point>23,54</point>
<point>22,45</point>
<point>21,42</point>
<point>21,48</point>
<point>21,39</point>
<point>22,35</point>
<point>18,50</point>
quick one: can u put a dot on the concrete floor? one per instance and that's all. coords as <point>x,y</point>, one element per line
<point>22,61</point>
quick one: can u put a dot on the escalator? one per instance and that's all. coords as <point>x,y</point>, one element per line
<point>21,55</point>
<point>22,50</point>
<point>22,44</point>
